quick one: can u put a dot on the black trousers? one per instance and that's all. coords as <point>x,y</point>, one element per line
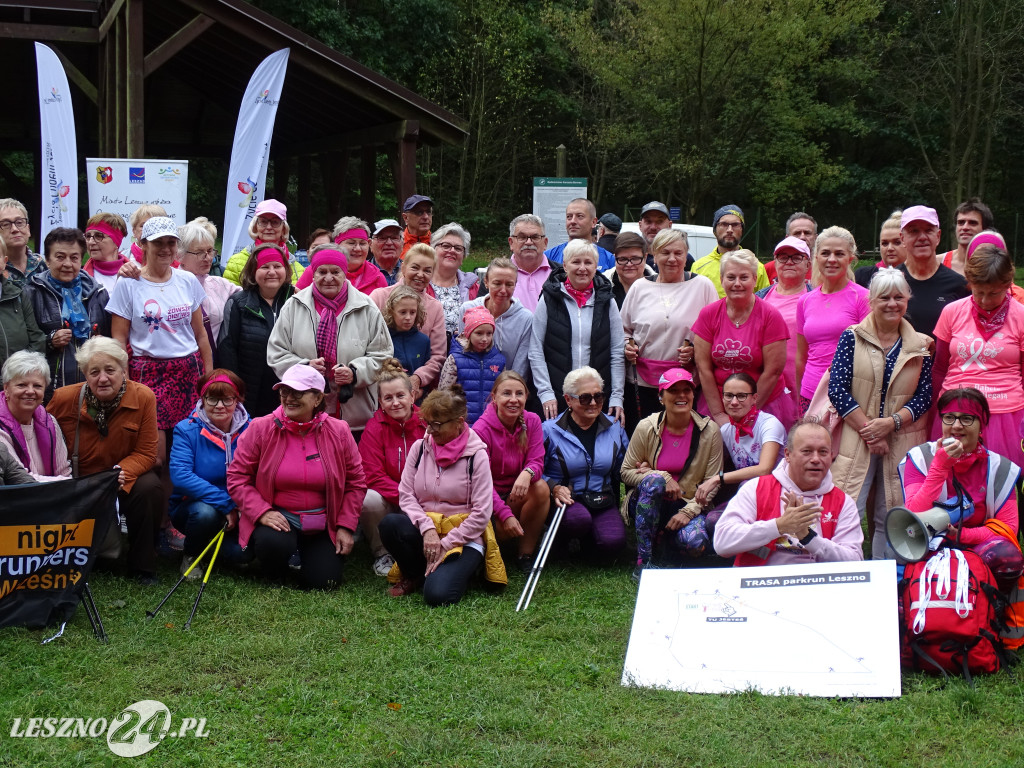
<point>322,567</point>
<point>449,581</point>
<point>143,508</point>
<point>646,397</point>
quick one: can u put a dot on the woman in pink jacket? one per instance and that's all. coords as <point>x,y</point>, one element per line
<point>298,483</point>
<point>385,447</point>
<point>446,487</point>
<point>515,443</point>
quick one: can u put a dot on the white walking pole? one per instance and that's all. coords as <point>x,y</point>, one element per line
<point>542,556</point>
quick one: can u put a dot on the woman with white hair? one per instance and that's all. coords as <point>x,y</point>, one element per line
<point>115,423</point>
<point>584,450</point>
<point>269,224</point>
<point>577,324</point>
<point>741,333</point>
<point>197,254</point>
<point>880,382</point>
<point>823,314</point>
<point>452,286</point>
<point>27,431</point>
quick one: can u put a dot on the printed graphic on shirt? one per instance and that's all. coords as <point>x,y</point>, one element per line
<point>153,316</point>
<point>732,355</point>
<point>975,351</point>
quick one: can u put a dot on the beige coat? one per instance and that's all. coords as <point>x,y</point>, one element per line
<point>705,457</point>
<point>851,465</point>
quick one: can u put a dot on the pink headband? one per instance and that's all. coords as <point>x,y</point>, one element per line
<point>268,255</point>
<point>963,405</point>
<point>222,379</point>
<point>351,234</point>
<point>329,256</point>
<point>985,238</point>
<point>109,231</point>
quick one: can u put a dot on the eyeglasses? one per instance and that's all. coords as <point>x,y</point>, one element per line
<point>265,222</point>
<point>740,397</point>
<point>200,254</point>
<point>965,419</point>
<point>450,247</point>
<point>288,392</point>
<point>589,399</point>
<point>435,426</point>
<point>7,224</point>
<point>227,402</point>
<point>524,238</point>
<point>737,225</point>
<point>789,258</point>
<point>625,260</point>
<point>388,238</point>
<point>99,237</point>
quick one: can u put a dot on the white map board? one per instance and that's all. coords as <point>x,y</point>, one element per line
<point>823,629</point>
<point>551,195</point>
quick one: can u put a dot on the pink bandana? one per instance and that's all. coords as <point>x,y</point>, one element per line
<point>580,296</point>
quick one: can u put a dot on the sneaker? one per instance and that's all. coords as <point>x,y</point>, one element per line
<point>640,568</point>
<point>295,561</point>
<point>402,588</point>
<point>196,574</point>
<point>382,565</point>
<point>525,563</point>
<point>174,539</point>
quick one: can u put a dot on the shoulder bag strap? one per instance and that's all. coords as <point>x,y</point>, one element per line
<point>78,422</point>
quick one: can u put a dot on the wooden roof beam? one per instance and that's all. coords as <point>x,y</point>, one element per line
<point>400,130</point>
<point>49,33</point>
<point>170,47</point>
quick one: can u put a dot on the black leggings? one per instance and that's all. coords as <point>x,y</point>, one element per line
<point>449,581</point>
<point>322,567</point>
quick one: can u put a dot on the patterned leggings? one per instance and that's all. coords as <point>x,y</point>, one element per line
<point>651,511</point>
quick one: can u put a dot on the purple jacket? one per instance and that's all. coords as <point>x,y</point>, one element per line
<point>507,459</point>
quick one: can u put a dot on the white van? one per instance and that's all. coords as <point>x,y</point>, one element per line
<point>700,239</point>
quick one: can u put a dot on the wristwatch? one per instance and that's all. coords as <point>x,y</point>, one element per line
<point>811,533</point>
<point>530,471</point>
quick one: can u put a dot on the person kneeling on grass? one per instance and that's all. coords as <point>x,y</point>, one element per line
<point>443,533</point>
<point>795,514</point>
<point>298,483</point>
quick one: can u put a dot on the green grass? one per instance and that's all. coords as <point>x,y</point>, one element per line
<point>295,679</point>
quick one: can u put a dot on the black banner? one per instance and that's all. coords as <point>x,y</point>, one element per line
<point>49,536</point>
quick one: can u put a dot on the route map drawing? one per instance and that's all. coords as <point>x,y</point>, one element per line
<point>824,629</point>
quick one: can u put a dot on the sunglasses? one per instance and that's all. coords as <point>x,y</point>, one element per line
<point>589,399</point>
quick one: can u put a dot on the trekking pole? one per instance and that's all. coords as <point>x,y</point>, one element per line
<point>542,556</point>
<point>94,614</point>
<point>206,577</point>
<point>218,538</point>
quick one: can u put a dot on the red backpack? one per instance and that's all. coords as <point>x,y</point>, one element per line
<point>948,619</point>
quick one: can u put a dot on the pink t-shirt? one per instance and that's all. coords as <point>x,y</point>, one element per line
<point>675,450</point>
<point>787,304</point>
<point>740,349</point>
<point>993,366</point>
<point>300,483</point>
<point>821,319</point>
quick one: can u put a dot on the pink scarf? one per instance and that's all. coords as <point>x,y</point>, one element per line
<point>580,296</point>
<point>327,328</point>
<point>990,321</point>
<point>107,268</point>
<point>447,454</point>
<point>745,426</point>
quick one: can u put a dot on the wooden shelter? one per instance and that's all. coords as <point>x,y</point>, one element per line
<point>164,78</point>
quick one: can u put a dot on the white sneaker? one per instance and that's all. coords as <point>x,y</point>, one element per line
<point>186,561</point>
<point>382,565</point>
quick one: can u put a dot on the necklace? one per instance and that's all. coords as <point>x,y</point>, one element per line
<point>668,300</point>
<point>743,315</point>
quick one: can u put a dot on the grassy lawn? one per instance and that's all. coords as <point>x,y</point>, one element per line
<point>358,679</point>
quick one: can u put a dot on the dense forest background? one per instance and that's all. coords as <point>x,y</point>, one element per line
<point>843,108</point>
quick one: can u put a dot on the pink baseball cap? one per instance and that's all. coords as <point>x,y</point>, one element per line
<point>988,237</point>
<point>272,207</point>
<point>302,377</point>
<point>919,213</point>
<point>796,244</point>
<point>474,318</point>
<point>672,376</point>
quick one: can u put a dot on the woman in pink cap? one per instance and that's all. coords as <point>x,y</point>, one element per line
<point>475,361</point>
<point>979,343</point>
<point>269,224</point>
<point>298,483</point>
<point>669,455</point>
<point>339,332</point>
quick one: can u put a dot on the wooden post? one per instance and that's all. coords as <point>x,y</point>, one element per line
<point>368,184</point>
<point>135,101</point>
<point>300,225</point>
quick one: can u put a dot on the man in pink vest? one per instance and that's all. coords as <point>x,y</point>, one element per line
<point>795,514</point>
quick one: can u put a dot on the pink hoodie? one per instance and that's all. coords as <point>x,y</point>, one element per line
<point>385,446</point>
<point>739,530</point>
<point>427,487</point>
<point>506,457</point>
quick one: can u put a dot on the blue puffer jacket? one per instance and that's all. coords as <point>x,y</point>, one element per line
<point>477,374</point>
<point>199,460</point>
<point>566,461</point>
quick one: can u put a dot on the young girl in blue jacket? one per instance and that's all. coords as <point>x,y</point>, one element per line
<point>474,362</point>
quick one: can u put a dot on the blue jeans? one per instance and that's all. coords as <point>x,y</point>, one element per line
<point>200,523</point>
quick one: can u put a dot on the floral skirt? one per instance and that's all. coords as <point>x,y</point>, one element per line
<point>173,381</point>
